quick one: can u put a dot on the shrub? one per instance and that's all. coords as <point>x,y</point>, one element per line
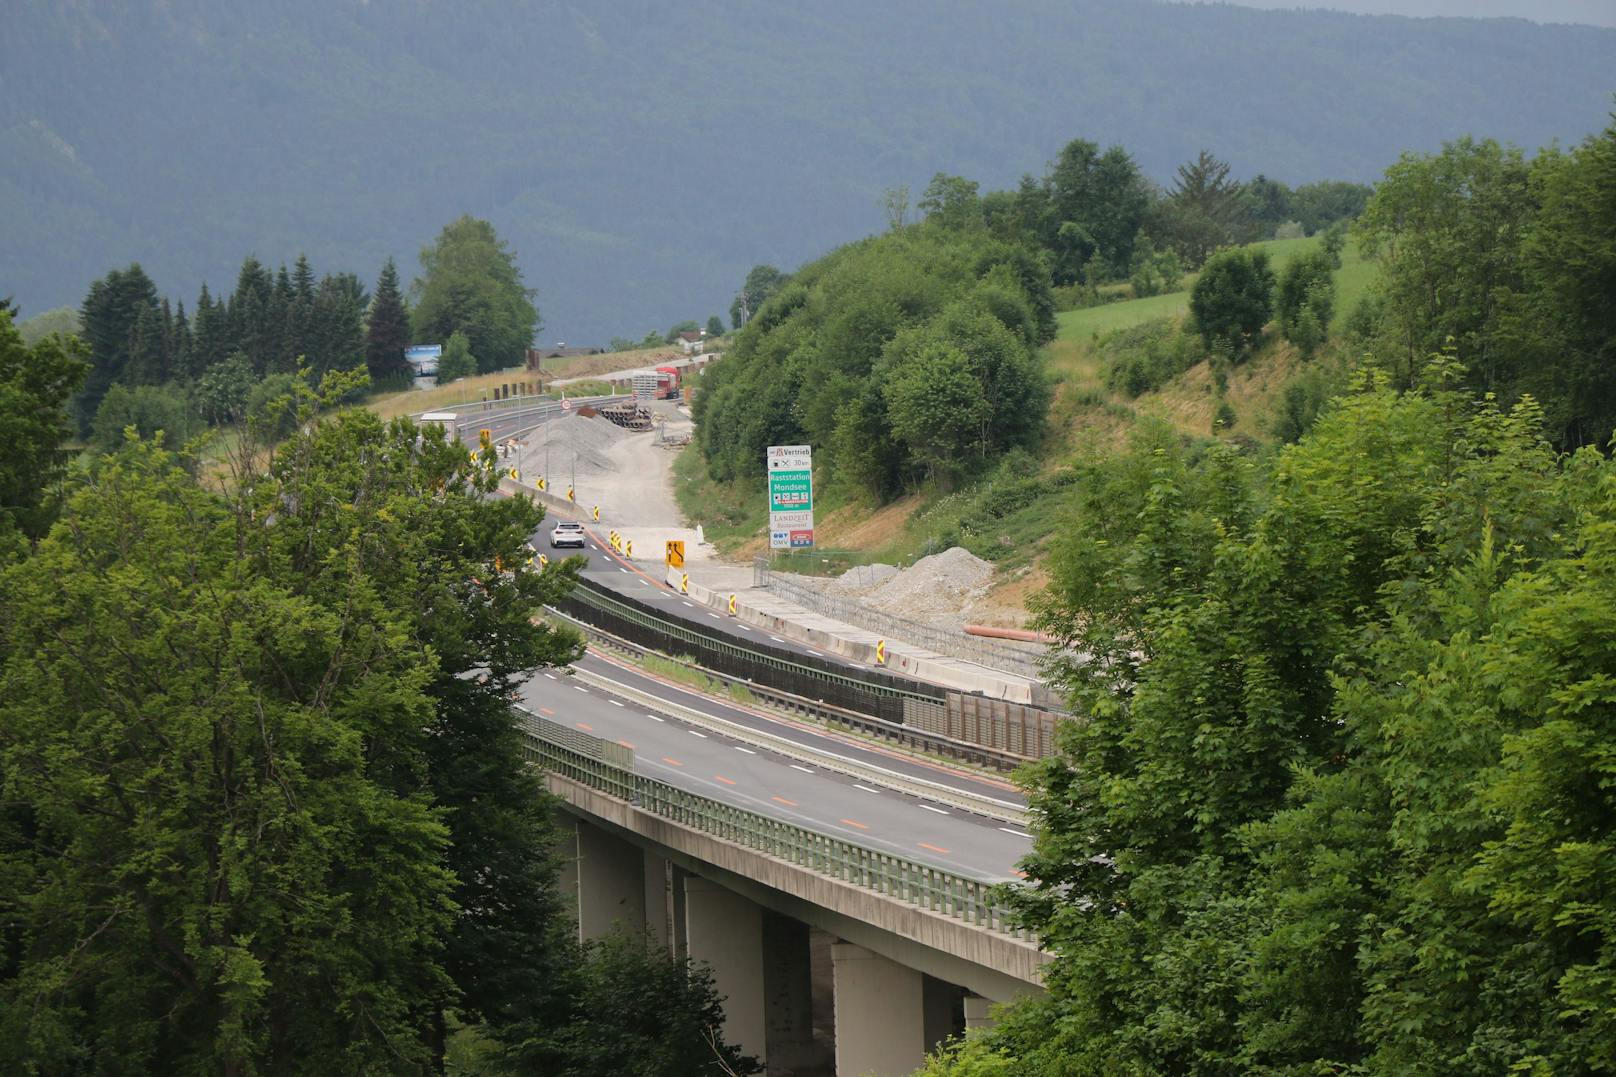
<point>150,409</point>
<point>1307,301</point>
<point>1147,356</point>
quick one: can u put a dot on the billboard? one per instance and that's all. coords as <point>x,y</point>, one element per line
<point>791,496</point>
<point>424,358</point>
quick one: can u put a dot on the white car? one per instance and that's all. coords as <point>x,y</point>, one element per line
<point>567,533</point>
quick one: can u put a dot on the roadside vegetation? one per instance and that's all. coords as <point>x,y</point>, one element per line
<point>1337,802</point>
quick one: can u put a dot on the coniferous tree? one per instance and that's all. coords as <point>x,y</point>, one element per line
<point>180,343</point>
<point>210,337</point>
<point>303,279</point>
<point>388,331</point>
<point>148,365</point>
<point>252,328</point>
<point>108,319</point>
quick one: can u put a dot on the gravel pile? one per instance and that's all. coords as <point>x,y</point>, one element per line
<point>935,590</point>
<point>592,437</point>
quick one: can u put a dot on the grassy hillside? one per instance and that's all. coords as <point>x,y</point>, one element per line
<point>1008,515</point>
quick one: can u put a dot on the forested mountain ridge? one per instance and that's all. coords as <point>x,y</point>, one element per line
<point>640,157</point>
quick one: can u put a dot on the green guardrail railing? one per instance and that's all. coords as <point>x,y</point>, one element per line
<point>608,768</point>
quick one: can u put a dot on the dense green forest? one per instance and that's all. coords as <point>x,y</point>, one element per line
<point>262,804</point>
<point>1340,797</point>
<point>639,158</point>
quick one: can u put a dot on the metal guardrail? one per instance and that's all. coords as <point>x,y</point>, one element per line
<point>898,733</point>
<point>980,804</point>
<point>556,748</point>
<point>849,611</point>
<point>515,407</point>
<point>872,684</point>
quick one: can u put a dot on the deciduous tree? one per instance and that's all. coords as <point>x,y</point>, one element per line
<point>470,284</point>
<point>36,383</point>
<point>1233,298</point>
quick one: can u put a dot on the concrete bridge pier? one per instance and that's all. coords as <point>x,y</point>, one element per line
<point>725,930</point>
<point>881,1013</point>
<point>611,884</point>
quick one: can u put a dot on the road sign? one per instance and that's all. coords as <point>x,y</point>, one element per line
<point>676,554</point>
<point>570,496</point>
<point>597,514</point>
<point>732,605</point>
<point>628,549</point>
<point>880,652</point>
<point>684,583</point>
<point>566,405</point>
<point>485,437</point>
<point>544,562</point>
<point>541,482</point>
<point>515,474</point>
<point>791,496</point>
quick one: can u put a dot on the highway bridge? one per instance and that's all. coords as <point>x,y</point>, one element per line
<point>840,889</point>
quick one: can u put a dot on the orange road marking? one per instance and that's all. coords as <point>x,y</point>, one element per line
<point>547,712</point>
<point>783,800</point>
<point>933,848</point>
<point>855,822</point>
<point>721,778</point>
<point>585,726</point>
<point>673,762</point>
<point>625,744</point>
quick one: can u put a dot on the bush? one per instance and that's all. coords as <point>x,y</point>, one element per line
<point>1147,356</point>
<point>456,360</point>
<point>221,393</point>
<point>1304,398</point>
<point>150,409</point>
<point>1307,301</point>
<point>1154,272</point>
<point>272,406</point>
<point>1233,298</point>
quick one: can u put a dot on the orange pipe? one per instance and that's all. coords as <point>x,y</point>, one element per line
<point>1022,634</point>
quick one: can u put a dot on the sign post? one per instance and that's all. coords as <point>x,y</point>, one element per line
<point>791,496</point>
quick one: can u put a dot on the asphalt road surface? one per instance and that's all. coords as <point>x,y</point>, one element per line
<point>779,785</point>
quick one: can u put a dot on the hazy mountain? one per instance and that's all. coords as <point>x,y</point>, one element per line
<point>640,156</point>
